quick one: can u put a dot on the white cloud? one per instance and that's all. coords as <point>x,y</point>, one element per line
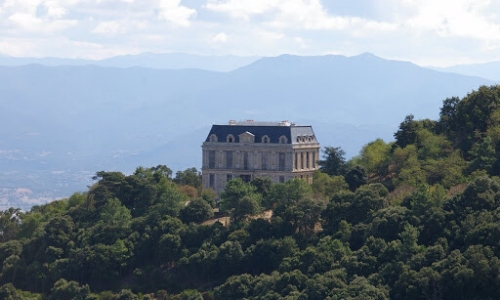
<point>283,13</point>
<point>300,41</point>
<point>460,18</point>
<point>172,11</point>
<point>242,8</point>
<point>54,11</point>
<point>288,14</point>
<point>36,16</point>
<point>437,32</point>
<point>269,35</point>
<point>220,38</point>
<point>17,47</point>
<point>107,28</point>
<point>30,22</point>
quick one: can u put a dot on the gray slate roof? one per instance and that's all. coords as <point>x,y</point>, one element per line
<point>273,132</point>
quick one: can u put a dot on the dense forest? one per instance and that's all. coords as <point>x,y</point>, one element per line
<point>417,218</point>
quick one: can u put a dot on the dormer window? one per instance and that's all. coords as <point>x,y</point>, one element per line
<point>230,138</point>
<point>283,139</point>
<point>266,139</point>
<point>247,138</point>
<point>299,139</point>
<point>213,138</point>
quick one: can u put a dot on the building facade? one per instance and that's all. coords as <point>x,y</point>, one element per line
<point>279,151</point>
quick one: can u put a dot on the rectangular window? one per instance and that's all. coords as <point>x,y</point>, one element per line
<point>245,160</point>
<point>301,160</point>
<point>229,177</point>
<point>314,159</point>
<point>296,160</point>
<point>212,181</point>
<point>229,159</point>
<point>211,159</point>
<point>307,160</point>
<point>246,178</point>
<point>282,179</point>
<point>281,165</point>
<point>264,161</point>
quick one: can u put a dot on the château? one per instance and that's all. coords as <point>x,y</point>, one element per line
<point>276,150</point>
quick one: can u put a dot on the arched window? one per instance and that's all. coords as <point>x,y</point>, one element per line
<point>283,139</point>
<point>266,139</point>
<point>213,138</point>
<point>298,139</point>
<point>230,138</point>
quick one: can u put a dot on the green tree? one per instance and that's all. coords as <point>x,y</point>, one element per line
<point>337,210</point>
<point>247,206</point>
<point>71,290</point>
<point>7,249</point>
<point>157,173</point>
<point>9,292</point>
<point>325,186</point>
<point>431,145</point>
<point>408,167</point>
<point>108,186</point>
<point>235,287</point>
<point>290,191</point>
<point>356,177</point>
<point>77,199</point>
<point>448,121</point>
<point>10,224</point>
<point>169,248</point>
<point>234,191</point>
<point>333,162</point>
<point>302,216</point>
<point>263,186</point>
<point>367,200</point>
<point>388,222</point>
<point>197,210</point>
<point>483,156</point>
<point>360,288</point>
<point>466,121</point>
<point>190,176</point>
<point>116,215</point>
<point>374,156</point>
<point>170,199</point>
<point>407,132</point>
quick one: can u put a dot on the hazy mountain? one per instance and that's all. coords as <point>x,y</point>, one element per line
<point>489,70</point>
<point>173,61</point>
<point>341,89</point>
<point>59,125</point>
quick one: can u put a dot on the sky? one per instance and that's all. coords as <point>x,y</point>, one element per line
<point>426,32</point>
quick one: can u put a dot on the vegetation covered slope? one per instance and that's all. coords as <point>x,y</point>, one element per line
<point>414,219</point>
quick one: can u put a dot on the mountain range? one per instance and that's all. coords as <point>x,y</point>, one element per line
<point>224,63</point>
<point>59,124</point>
<point>490,70</point>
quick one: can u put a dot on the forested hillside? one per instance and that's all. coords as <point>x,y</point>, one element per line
<point>418,218</point>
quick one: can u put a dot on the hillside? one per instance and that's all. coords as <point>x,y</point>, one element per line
<point>417,218</point>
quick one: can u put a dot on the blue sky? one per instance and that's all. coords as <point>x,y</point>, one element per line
<point>427,32</point>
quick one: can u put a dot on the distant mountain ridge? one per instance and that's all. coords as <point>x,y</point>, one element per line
<point>490,70</point>
<point>175,61</point>
<point>60,124</point>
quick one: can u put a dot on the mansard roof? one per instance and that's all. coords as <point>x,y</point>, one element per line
<point>274,132</point>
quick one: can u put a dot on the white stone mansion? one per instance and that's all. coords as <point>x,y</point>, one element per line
<point>278,151</point>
